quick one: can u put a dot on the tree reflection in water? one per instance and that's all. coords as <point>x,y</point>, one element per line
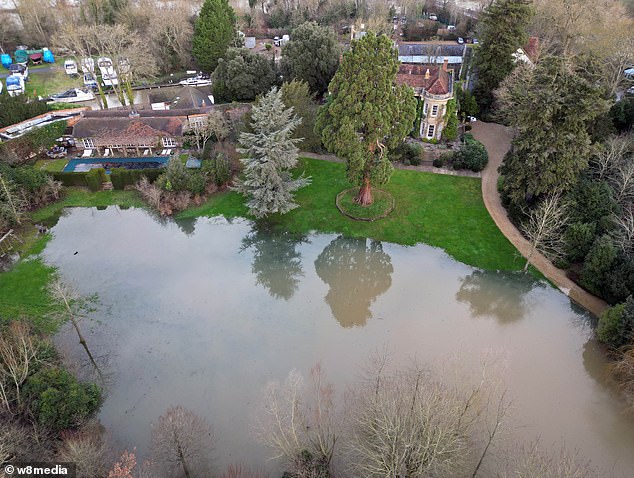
<point>277,264</point>
<point>496,294</point>
<point>357,271</point>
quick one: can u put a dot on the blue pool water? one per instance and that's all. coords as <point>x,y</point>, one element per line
<point>85,164</point>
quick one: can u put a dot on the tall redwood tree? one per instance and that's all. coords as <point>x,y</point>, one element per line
<point>367,113</point>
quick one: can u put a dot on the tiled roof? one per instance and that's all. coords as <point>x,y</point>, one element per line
<point>433,79</point>
<point>127,127</point>
<point>183,98</point>
<point>532,49</point>
<point>430,49</point>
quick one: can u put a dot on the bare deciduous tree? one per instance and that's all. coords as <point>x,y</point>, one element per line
<point>86,449</point>
<point>623,234</point>
<point>18,355</point>
<point>611,155</point>
<point>12,204</point>
<point>150,192</point>
<point>622,181</point>
<point>532,461</point>
<point>23,442</point>
<point>214,125</point>
<point>544,226</point>
<point>299,423</point>
<point>41,18</point>
<point>239,471</point>
<point>623,370</point>
<point>74,308</point>
<point>406,424</point>
<point>181,444</point>
<point>167,27</point>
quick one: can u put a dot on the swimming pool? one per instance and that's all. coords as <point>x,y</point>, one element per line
<point>79,165</point>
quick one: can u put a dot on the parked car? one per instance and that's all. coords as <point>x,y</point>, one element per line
<point>460,40</point>
<point>277,41</point>
<point>475,41</point>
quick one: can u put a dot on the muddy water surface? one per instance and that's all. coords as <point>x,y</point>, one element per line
<point>204,314</point>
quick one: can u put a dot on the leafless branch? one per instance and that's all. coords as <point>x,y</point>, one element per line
<point>543,228</point>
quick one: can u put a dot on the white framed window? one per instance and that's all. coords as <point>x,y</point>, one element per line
<point>197,122</point>
<point>425,109</point>
<point>89,143</point>
<point>168,142</point>
<point>434,110</point>
<point>430,131</point>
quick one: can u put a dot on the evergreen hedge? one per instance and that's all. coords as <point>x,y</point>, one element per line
<point>122,177</point>
<point>70,179</point>
<point>94,179</point>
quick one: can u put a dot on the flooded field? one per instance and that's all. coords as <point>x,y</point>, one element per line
<point>205,313</point>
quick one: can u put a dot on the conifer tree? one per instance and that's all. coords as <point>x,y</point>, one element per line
<point>503,31</point>
<point>312,56</point>
<point>214,31</point>
<point>553,108</point>
<point>367,113</point>
<point>270,155</point>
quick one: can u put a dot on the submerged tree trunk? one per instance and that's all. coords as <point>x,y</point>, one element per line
<point>364,197</point>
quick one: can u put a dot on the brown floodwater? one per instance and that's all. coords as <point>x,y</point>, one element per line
<point>205,313</point>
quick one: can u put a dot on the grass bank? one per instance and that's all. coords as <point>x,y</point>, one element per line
<point>23,289</point>
<point>51,79</point>
<point>85,198</point>
<point>443,211</point>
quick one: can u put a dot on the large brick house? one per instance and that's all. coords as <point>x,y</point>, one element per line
<point>434,85</point>
<point>128,134</point>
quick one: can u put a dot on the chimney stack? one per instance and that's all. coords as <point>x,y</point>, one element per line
<point>445,65</point>
<point>427,74</point>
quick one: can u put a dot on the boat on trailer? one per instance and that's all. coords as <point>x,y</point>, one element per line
<point>70,67</point>
<point>74,95</point>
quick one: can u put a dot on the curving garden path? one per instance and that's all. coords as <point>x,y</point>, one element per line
<point>497,141</point>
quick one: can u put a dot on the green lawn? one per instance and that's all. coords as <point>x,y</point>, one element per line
<point>85,198</point>
<point>51,165</point>
<point>23,290</point>
<point>55,80</point>
<point>443,211</point>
